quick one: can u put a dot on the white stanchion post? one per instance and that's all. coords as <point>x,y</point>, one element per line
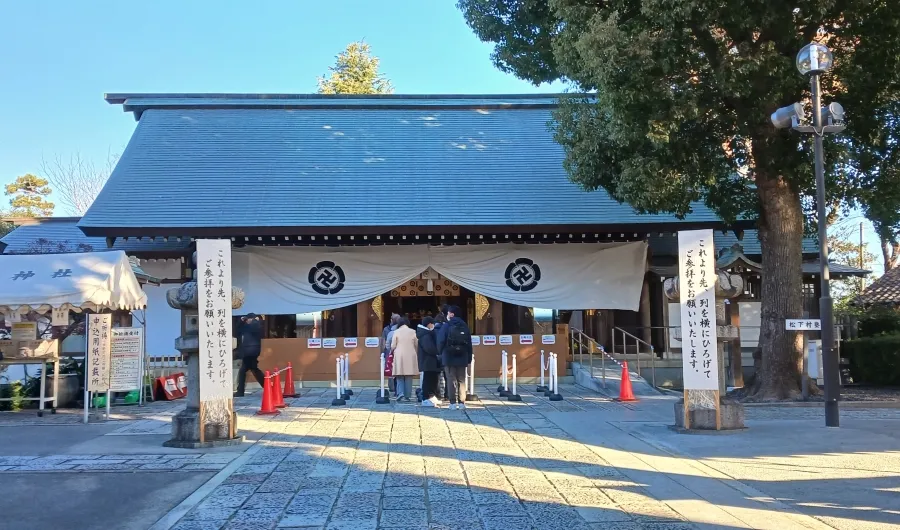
<point>470,392</point>
<point>541,387</point>
<point>347,390</point>
<point>382,398</point>
<point>504,359</point>
<point>555,396</point>
<point>339,375</point>
<point>514,395</point>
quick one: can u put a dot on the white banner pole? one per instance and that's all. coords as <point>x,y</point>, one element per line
<point>514,374</point>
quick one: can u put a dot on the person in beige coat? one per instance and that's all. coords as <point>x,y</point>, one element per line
<point>405,346</point>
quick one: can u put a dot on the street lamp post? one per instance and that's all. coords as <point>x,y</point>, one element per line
<point>813,60</point>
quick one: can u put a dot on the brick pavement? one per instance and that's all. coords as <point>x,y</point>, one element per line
<point>496,465</point>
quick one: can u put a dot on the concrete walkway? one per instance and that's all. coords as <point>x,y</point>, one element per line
<point>585,462</point>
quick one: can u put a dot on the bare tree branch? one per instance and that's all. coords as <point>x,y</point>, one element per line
<point>77,181</point>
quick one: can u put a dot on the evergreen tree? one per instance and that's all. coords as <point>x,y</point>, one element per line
<point>29,197</point>
<point>355,72</point>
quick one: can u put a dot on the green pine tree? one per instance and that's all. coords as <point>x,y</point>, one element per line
<point>29,197</point>
<point>355,72</point>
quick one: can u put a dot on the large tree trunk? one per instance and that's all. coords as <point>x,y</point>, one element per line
<point>890,250</point>
<point>780,231</point>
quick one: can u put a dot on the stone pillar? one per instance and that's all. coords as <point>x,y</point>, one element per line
<point>186,425</point>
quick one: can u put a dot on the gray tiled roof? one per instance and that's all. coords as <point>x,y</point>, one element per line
<point>667,244</point>
<point>65,230</point>
<point>667,267</point>
<point>315,162</point>
<point>884,290</point>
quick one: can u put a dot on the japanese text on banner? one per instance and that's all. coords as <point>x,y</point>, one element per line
<point>126,359</point>
<point>696,286</point>
<point>214,294</point>
<point>98,352</point>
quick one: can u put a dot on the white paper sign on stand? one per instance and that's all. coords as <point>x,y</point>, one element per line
<point>214,294</point>
<point>98,353</point>
<point>126,359</point>
<point>60,316</point>
<point>24,331</point>
<point>697,294</point>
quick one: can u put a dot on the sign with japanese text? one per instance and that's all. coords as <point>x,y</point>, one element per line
<point>526,339</point>
<point>22,331</point>
<point>805,324</point>
<point>313,343</point>
<point>126,359</point>
<point>476,340</point>
<point>697,291</point>
<point>329,343</point>
<point>60,316</point>
<point>350,342</point>
<point>506,340</point>
<point>214,295</point>
<point>489,340</point>
<point>372,342</point>
<point>98,352</point>
<point>548,339</point>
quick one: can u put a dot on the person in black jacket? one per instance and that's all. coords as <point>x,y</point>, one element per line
<point>250,336</point>
<point>455,345</point>
<point>429,361</point>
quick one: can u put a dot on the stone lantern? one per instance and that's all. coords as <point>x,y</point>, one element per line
<point>186,425</point>
<point>702,406</point>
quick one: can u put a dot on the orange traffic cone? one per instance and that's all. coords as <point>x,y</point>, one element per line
<point>267,407</point>
<point>276,390</point>
<point>289,391</point>
<point>625,392</point>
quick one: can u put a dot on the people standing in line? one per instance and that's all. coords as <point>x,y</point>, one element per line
<point>441,391</point>
<point>455,343</point>
<point>386,335</point>
<point>429,361</point>
<point>405,346</point>
<point>250,334</point>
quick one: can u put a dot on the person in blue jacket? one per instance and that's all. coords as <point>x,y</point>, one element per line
<point>455,345</point>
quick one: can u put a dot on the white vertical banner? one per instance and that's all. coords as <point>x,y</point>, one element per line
<point>214,295</point>
<point>98,352</point>
<point>697,295</point>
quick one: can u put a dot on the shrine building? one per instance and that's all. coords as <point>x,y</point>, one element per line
<point>342,210</point>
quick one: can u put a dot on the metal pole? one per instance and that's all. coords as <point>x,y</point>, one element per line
<point>339,370</point>
<point>505,372</point>
<point>653,365</point>
<point>603,365</point>
<point>826,306</point>
<point>382,375</point>
<point>542,368</point>
<point>514,374</point>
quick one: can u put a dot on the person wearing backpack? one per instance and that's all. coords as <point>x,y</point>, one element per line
<point>455,345</point>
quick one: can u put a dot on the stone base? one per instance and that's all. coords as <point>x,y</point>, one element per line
<point>731,416</point>
<point>186,432</point>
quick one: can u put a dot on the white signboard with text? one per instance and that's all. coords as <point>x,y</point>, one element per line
<point>548,339</point>
<point>126,359</point>
<point>214,294</point>
<point>697,292</point>
<point>372,342</point>
<point>350,342</point>
<point>489,340</point>
<point>98,353</point>
<point>803,324</point>
<point>329,343</point>
<point>22,331</point>
<point>476,340</point>
<point>506,340</point>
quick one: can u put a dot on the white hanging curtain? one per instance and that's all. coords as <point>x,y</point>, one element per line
<point>280,280</point>
<point>569,276</point>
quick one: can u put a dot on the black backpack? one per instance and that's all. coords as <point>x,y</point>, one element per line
<point>459,340</point>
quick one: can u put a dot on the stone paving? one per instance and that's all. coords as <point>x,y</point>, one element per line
<point>495,465</point>
<point>116,462</point>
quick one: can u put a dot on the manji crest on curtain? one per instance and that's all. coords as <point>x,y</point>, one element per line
<point>280,280</point>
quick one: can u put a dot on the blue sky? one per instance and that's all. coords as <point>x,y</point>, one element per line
<point>58,58</point>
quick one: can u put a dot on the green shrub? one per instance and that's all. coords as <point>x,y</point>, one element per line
<point>13,390</point>
<point>879,320</point>
<point>874,360</point>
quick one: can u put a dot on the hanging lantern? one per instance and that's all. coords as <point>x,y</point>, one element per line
<point>481,306</point>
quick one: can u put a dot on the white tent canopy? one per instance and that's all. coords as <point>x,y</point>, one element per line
<point>94,280</point>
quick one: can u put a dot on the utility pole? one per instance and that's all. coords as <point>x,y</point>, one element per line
<point>862,279</point>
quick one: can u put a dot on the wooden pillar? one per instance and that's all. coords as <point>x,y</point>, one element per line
<point>737,367</point>
<point>645,312</point>
<point>603,324</point>
<point>496,322</point>
<point>368,324</point>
